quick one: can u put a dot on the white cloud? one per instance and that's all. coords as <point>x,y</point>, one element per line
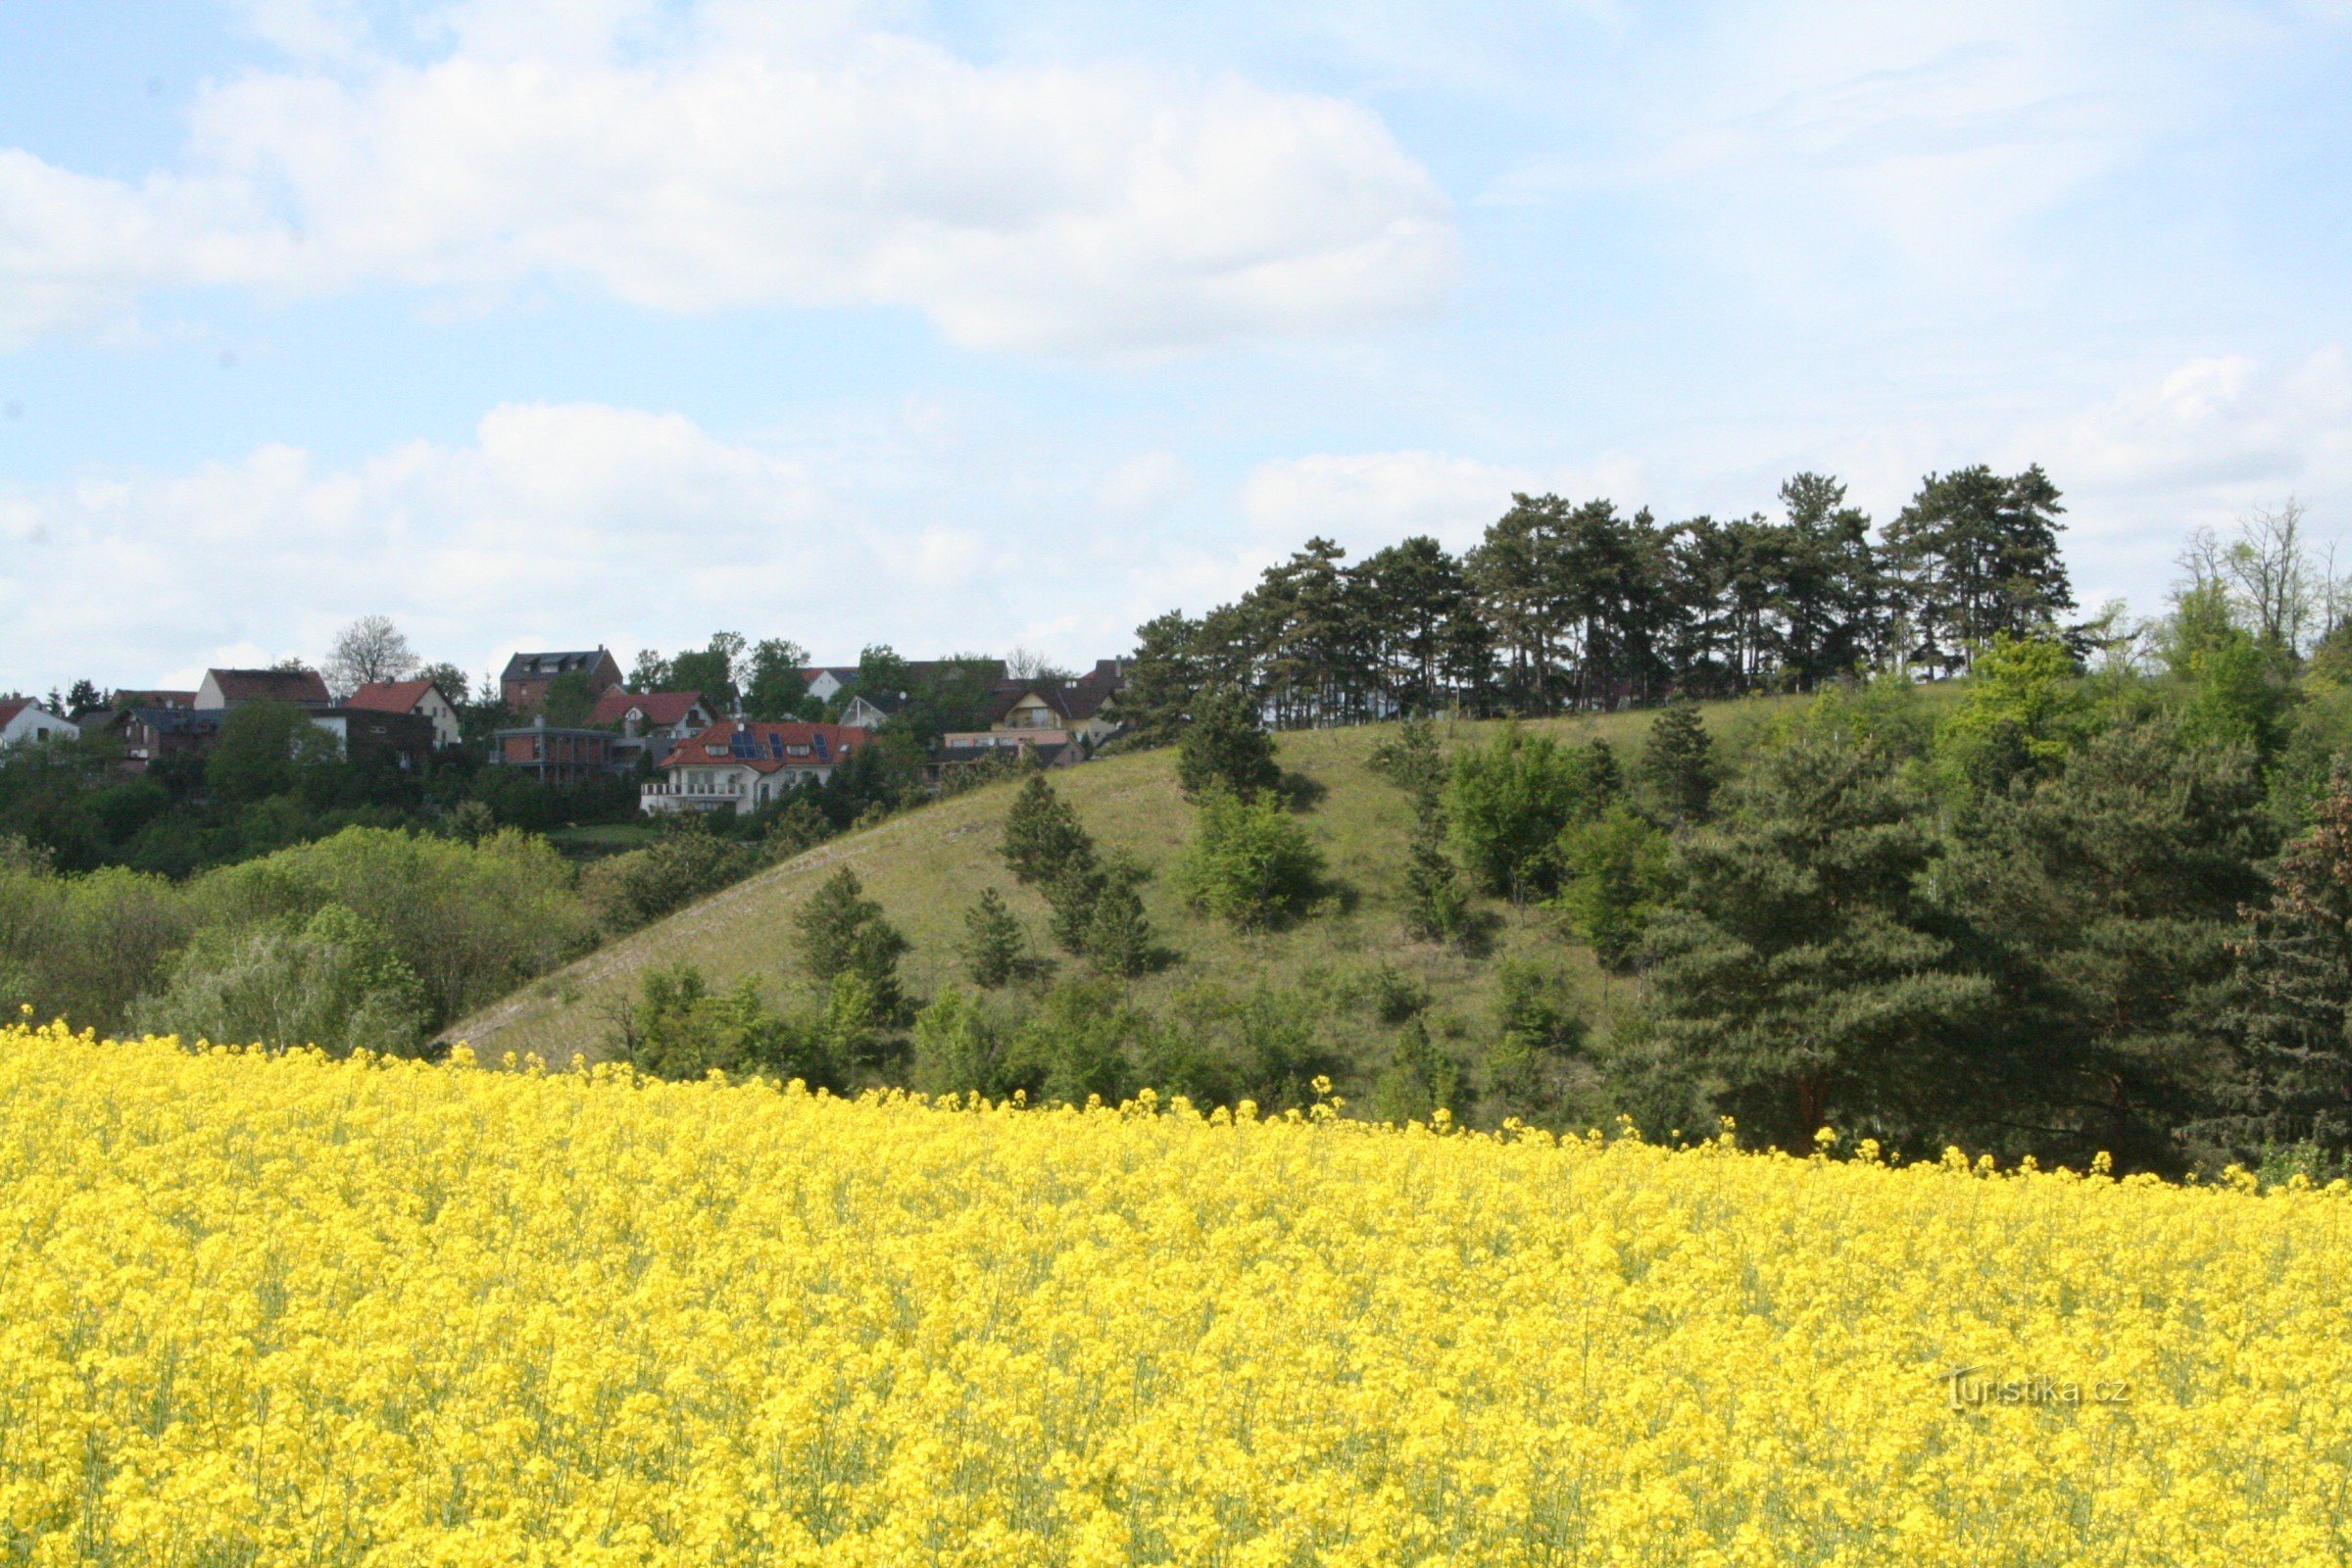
<point>728,158</point>
<point>553,525</point>
<point>2198,445</point>
<point>1367,501</point>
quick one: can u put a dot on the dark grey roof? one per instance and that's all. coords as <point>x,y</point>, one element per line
<point>533,666</point>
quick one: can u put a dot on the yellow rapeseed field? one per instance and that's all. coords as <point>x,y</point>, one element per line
<point>280,1310</point>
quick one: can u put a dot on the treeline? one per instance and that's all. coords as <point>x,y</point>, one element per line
<point>1566,607</point>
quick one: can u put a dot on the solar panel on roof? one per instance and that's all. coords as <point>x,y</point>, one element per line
<point>775,747</point>
<point>821,752</point>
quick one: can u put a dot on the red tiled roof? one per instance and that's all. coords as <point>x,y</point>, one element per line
<point>10,709</point>
<point>391,696</point>
<point>658,707</point>
<point>715,747</point>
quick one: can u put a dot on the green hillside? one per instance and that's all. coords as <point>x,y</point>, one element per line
<point>926,868</point>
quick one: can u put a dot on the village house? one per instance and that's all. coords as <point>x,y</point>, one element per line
<point>223,689</point>
<point>523,685</point>
<point>740,766</point>
<point>157,734</point>
<point>1053,720</point>
<point>26,722</point>
<point>552,754</point>
<point>419,697</point>
<point>651,723</point>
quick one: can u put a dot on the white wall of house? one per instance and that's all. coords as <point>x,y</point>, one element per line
<point>724,787</point>
<point>824,686</point>
<point>32,723</point>
<point>447,731</point>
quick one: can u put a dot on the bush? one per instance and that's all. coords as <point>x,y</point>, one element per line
<point>680,1029</point>
<point>1420,1081</point>
<point>333,981</point>
<point>82,948</point>
<point>1251,863</point>
<point>1509,801</point>
<point>688,861</point>
<point>957,1051</point>
<point>472,921</point>
<point>1614,876</point>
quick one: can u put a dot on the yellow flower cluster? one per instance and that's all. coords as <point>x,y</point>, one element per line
<point>279,1310</point>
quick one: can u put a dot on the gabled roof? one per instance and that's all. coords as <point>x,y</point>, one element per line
<point>392,696</point>
<point>276,685</point>
<point>766,748</point>
<point>155,699</point>
<point>658,707</point>
<point>544,667</point>
<point>11,707</point>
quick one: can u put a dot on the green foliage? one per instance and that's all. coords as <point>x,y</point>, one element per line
<point>1676,771</point>
<point>1974,556</point>
<point>773,689</point>
<point>1799,969</point>
<point>711,670</point>
<point>1225,748</point>
<point>2291,998</point>
<point>1613,875</point>
<point>1419,1081</point>
<point>2228,688</point>
<point>1409,757</point>
<point>1250,862</point>
<point>688,861</point>
<point>842,932</point>
<point>572,697</point>
<point>1043,839</point>
<point>2106,905</point>
<point>679,1029</point>
<point>795,827</point>
<point>958,1049</point>
<point>1537,1032</point>
<point>1076,1045</point>
<point>1510,800</point>
<point>331,981</point>
<point>1119,940</point>
<point>2023,711</point>
<point>268,749</point>
<point>995,950</point>
<point>472,921</point>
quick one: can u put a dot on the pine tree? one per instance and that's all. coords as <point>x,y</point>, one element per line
<point>1798,968</point>
<point>1042,837</point>
<point>1420,1081</point>
<point>1436,906</point>
<point>842,932</point>
<point>1118,937</point>
<point>1676,769</point>
<point>2291,1003</point>
<point>2105,901</point>
<point>1224,748</point>
<point>1975,554</point>
<point>993,946</point>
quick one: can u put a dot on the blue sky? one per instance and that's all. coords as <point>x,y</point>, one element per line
<point>969,325</point>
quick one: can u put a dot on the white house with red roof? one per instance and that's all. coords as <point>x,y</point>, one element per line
<point>420,697</point>
<point>740,766</point>
<point>652,722</point>
<point>23,722</point>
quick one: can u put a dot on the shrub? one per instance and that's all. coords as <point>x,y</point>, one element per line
<point>333,981</point>
<point>1251,863</point>
<point>957,1051</point>
<point>1613,878</point>
<point>1509,801</point>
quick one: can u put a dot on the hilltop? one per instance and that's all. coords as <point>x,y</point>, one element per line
<point>926,866</point>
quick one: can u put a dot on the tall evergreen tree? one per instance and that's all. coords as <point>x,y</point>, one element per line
<point>2105,901</point>
<point>1676,769</point>
<point>1975,554</point>
<point>2292,1002</point>
<point>993,948</point>
<point>1798,972</point>
<point>1224,748</point>
<point>1042,837</point>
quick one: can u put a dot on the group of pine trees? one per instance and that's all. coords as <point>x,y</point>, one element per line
<point>1566,607</point>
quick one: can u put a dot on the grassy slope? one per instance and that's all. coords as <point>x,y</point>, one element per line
<point>927,867</point>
